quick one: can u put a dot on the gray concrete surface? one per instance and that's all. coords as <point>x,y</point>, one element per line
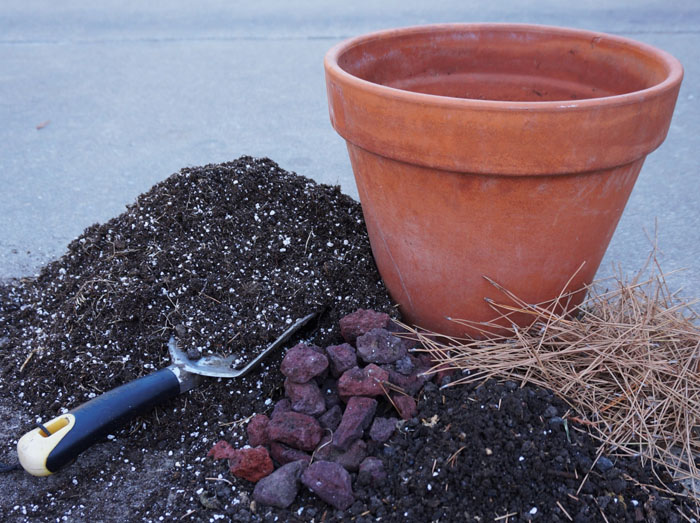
<point>132,91</point>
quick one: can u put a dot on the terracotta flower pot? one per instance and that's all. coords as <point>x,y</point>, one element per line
<point>500,150</point>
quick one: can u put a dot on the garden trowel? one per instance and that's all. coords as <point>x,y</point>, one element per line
<point>52,445</point>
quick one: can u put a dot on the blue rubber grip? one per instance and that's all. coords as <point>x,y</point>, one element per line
<point>103,414</point>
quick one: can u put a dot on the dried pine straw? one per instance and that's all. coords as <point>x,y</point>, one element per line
<point>627,361</point>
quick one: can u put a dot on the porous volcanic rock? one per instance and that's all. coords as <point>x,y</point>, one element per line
<point>357,417</point>
<point>330,482</point>
<point>301,363</point>
<point>280,488</point>
<point>296,430</point>
<point>305,397</point>
<point>380,346</point>
<point>257,430</point>
<point>342,357</point>
<point>362,321</point>
<point>251,463</point>
<point>366,381</point>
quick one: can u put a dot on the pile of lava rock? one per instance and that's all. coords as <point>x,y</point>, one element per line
<point>327,431</point>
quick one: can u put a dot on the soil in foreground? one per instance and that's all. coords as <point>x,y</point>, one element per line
<point>225,257</point>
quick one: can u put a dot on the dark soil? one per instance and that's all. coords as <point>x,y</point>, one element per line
<point>479,453</point>
<point>225,257</point>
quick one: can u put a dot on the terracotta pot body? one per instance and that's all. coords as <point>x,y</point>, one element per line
<point>506,151</point>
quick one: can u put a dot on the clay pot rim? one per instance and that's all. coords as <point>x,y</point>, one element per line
<point>674,70</point>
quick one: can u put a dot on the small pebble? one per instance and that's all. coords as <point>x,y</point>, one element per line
<point>604,464</point>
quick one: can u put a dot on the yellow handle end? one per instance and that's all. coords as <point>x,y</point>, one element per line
<point>35,446</point>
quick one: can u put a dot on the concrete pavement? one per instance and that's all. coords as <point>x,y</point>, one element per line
<point>134,92</point>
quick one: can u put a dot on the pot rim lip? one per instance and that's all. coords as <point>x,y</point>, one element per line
<point>672,64</point>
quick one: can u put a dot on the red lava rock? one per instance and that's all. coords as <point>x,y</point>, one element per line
<point>380,346</point>
<point>406,365</point>
<point>342,357</point>
<point>301,363</point>
<point>222,450</point>
<point>406,405</point>
<point>330,482</point>
<point>283,405</point>
<point>295,429</point>
<point>409,384</point>
<point>281,487</point>
<point>382,429</point>
<point>320,350</point>
<point>356,418</point>
<point>349,459</point>
<point>257,430</point>
<point>362,321</point>
<point>284,454</point>
<point>371,472</point>
<point>331,418</point>
<point>251,463</point>
<point>362,382</point>
<point>305,397</point>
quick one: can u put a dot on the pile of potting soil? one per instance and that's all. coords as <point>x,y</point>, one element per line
<point>225,257</point>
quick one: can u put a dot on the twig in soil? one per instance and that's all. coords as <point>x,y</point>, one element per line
<point>188,513</point>
<point>29,357</point>
<point>207,296</point>
<point>219,479</point>
<point>313,454</point>
<point>583,482</point>
<point>453,458</point>
<point>564,511</point>
<point>391,387</point>
<point>562,474</point>
<point>505,516</point>
<point>306,245</point>
<point>585,478</point>
<point>601,511</point>
<point>238,422</point>
<point>135,426</point>
<point>116,252</point>
<point>381,384</point>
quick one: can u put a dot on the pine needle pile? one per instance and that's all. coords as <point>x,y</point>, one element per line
<point>626,360</point>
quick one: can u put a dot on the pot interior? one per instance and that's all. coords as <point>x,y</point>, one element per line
<point>504,63</point>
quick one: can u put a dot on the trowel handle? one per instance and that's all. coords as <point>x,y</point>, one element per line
<point>70,434</point>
